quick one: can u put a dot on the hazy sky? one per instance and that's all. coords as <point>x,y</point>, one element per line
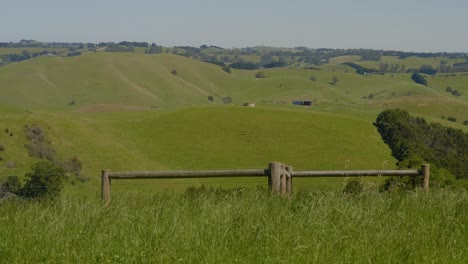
<point>409,25</point>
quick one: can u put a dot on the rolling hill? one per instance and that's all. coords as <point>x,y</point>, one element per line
<point>127,111</point>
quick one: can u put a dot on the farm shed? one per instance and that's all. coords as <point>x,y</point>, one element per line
<point>302,102</point>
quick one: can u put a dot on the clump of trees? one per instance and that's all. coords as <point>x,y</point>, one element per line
<point>244,65</point>
<point>45,181</point>
<point>155,50</point>
<point>452,91</point>
<point>359,69</point>
<point>419,79</point>
<point>413,141</point>
<point>119,48</point>
<point>40,147</point>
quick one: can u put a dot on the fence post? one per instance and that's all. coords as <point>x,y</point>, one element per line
<point>274,177</point>
<point>105,187</point>
<point>425,173</point>
<point>290,170</point>
<point>284,179</point>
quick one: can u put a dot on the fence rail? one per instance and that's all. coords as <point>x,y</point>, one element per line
<point>303,174</point>
<point>279,176</point>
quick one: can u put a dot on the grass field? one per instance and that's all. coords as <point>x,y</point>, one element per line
<point>240,227</point>
<point>216,137</point>
<point>128,112</point>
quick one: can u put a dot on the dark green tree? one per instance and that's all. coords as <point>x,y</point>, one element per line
<point>418,78</point>
<point>44,181</point>
<point>412,140</point>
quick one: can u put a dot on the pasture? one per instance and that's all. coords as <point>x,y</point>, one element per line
<point>239,226</point>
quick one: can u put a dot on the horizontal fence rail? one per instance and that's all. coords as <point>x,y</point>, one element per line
<point>187,174</point>
<point>279,176</point>
<point>302,174</point>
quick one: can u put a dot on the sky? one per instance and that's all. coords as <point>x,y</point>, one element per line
<point>405,25</point>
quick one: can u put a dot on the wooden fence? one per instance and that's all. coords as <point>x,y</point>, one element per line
<point>280,176</point>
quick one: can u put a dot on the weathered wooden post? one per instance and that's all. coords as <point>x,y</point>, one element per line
<point>105,187</point>
<point>290,171</point>
<point>425,173</point>
<point>284,179</point>
<point>274,177</point>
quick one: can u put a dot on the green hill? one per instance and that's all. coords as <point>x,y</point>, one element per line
<point>125,111</point>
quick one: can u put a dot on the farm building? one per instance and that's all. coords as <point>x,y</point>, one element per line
<point>302,102</point>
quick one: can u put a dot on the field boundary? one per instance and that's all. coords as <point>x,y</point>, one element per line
<point>279,176</point>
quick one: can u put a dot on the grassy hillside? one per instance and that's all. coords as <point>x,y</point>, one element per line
<point>145,81</point>
<point>201,138</point>
<point>127,111</point>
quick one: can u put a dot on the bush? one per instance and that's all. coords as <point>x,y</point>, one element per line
<point>11,185</point>
<point>334,80</point>
<point>400,184</point>
<point>2,148</point>
<point>174,72</point>
<point>313,78</point>
<point>260,75</point>
<point>452,119</point>
<point>227,68</point>
<point>227,100</point>
<point>44,181</point>
<point>353,186</point>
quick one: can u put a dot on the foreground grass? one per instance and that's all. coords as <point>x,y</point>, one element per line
<point>240,226</point>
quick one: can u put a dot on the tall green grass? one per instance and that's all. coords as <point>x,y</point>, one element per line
<point>215,226</point>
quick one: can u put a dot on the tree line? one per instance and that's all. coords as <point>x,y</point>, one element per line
<point>413,141</point>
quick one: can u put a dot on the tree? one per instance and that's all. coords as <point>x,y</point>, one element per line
<point>334,80</point>
<point>44,181</point>
<point>413,140</point>
<point>427,69</point>
<point>419,79</point>
<point>227,68</point>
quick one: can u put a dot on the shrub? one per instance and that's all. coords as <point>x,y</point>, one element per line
<point>313,78</point>
<point>334,80</point>
<point>227,68</point>
<point>227,100</point>
<point>353,186</point>
<point>174,72</point>
<point>11,185</point>
<point>73,166</point>
<point>400,184</point>
<point>452,119</point>
<point>465,122</point>
<point>44,181</point>
<point>441,178</point>
<point>2,148</point>
<point>260,75</point>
